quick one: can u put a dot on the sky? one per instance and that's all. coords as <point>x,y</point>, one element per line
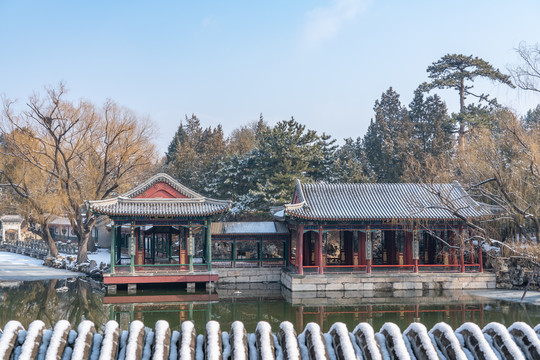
<point>324,62</point>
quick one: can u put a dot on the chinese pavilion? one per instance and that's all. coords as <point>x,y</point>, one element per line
<point>368,227</point>
<point>160,233</point>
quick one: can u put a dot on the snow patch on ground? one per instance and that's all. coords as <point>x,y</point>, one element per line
<point>18,259</point>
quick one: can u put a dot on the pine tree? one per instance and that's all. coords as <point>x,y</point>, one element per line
<point>195,154</point>
<point>387,140</point>
<point>433,128</point>
<point>350,163</point>
<point>457,71</point>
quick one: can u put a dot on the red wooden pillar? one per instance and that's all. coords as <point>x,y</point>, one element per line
<point>300,249</point>
<point>319,251</point>
<point>480,262</point>
<point>415,248</point>
<point>461,249</point>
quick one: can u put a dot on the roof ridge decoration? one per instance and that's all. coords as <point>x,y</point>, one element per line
<point>127,204</point>
<point>162,177</point>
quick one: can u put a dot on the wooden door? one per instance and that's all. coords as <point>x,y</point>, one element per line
<point>348,248</point>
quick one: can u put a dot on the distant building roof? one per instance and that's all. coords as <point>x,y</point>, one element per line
<point>11,218</point>
<point>60,221</point>
<point>255,227</point>
<point>349,202</point>
<point>186,202</point>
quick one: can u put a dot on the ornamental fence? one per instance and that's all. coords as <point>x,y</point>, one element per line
<point>36,248</point>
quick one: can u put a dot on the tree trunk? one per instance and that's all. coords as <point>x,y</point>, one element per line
<point>461,132</point>
<point>91,243</point>
<point>46,236</point>
<point>82,253</point>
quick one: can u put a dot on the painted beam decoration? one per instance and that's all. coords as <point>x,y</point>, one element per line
<point>139,342</point>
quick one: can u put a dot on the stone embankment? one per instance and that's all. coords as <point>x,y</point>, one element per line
<point>517,342</point>
<point>66,262</point>
<point>513,273</point>
<point>90,268</point>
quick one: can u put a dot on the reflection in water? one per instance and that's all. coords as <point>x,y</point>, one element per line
<point>31,300</point>
<point>27,301</point>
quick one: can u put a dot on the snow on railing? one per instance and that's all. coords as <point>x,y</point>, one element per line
<point>265,341</point>
<point>160,343</point>
<point>527,340</point>
<point>471,337</point>
<point>365,338</point>
<point>502,341</point>
<point>312,339</point>
<point>446,342</point>
<point>238,341</point>
<point>341,342</point>
<point>212,341</point>
<point>289,341</point>
<point>188,341</point>
<point>392,343</point>
<point>418,341</point>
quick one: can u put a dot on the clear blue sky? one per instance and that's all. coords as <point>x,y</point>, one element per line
<point>323,62</point>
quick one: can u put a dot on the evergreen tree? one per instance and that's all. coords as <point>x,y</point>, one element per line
<point>178,139</point>
<point>387,140</point>
<point>195,154</point>
<point>457,71</point>
<point>266,175</point>
<point>532,118</point>
<point>433,128</point>
<point>350,163</point>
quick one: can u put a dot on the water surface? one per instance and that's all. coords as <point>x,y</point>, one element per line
<point>86,299</point>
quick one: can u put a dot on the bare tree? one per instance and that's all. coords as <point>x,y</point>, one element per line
<point>90,152</point>
<point>34,191</point>
<point>527,75</point>
<point>501,168</point>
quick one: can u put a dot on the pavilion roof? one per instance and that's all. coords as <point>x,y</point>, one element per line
<point>383,202</point>
<point>249,228</point>
<point>131,204</point>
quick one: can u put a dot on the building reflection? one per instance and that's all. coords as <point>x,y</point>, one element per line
<point>252,306</point>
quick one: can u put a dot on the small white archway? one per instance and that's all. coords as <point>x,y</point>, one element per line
<point>11,222</point>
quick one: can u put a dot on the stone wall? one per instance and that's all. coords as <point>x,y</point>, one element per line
<point>248,275</point>
<point>388,281</point>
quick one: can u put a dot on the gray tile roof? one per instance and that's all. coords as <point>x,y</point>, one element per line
<point>194,205</point>
<point>348,202</point>
<point>249,227</point>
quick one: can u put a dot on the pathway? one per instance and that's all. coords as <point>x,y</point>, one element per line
<point>16,267</point>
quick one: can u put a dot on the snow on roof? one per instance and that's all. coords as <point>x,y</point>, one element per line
<point>60,221</point>
<point>254,227</point>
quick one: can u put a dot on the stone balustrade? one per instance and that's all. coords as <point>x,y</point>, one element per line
<point>36,248</point>
<point>65,341</point>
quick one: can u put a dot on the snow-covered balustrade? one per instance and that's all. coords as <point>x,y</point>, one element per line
<point>418,342</point>
<point>392,343</point>
<point>341,342</point>
<point>109,342</point>
<point>83,343</point>
<point>238,341</point>
<point>501,341</point>
<point>212,341</point>
<point>446,342</point>
<point>312,339</point>
<point>365,338</point>
<point>471,337</point>
<point>188,341</point>
<point>265,341</point>
<point>289,341</point>
<point>527,340</point>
